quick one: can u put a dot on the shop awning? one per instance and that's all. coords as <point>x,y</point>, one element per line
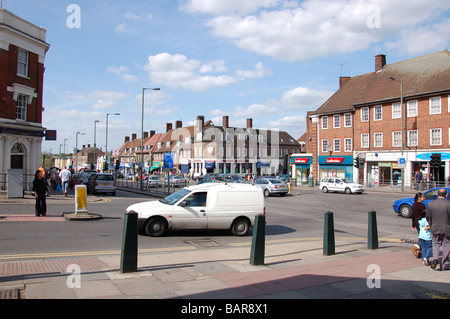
<point>261,164</point>
<point>210,165</point>
<point>156,165</point>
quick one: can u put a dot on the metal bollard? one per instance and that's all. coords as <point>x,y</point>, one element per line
<point>258,241</point>
<point>372,236</point>
<point>129,255</point>
<point>328,235</point>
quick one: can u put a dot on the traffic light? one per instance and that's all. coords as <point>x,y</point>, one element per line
<point>435,161</point>
<point>117,165</point>
<point>356,162</point>
<point>106,166</point>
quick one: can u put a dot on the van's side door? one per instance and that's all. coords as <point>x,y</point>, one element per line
<point>191,212</point>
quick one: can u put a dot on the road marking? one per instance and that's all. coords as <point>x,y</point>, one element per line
<point>91,253</point>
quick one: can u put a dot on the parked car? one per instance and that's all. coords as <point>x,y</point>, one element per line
<point>176,181</point>
<point>204,206</point>
<point>101,183</point>
<point>403,206</point>
<point>154,181</point>
<point>337,184</point>
<point>229,178</point>
<point>272,185</point>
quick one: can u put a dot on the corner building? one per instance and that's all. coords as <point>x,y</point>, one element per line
<point>399,111</point>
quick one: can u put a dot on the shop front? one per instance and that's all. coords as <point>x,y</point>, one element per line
<point>383,169</point>
<point>336,166</point>
<point>301,168</point>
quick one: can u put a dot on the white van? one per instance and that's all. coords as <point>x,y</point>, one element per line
<point>204,206</point>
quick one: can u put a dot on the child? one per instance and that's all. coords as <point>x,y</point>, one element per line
<point>425,237</point>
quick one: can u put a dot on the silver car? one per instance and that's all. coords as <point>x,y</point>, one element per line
<point>101,183</point>
<point>154,181</point>
<point>272,185</point>
<point>176,181</point>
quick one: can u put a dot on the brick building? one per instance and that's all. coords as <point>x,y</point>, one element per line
<point>22,54</point>
<point>365,119</point>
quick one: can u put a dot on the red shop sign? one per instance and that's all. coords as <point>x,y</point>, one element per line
<point>334,160</point>
<point>301,160</point>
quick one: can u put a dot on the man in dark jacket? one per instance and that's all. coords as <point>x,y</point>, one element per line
<point>40,187</point>
<point>438,216</point>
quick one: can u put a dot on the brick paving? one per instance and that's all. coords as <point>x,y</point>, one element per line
<point>30,218</point>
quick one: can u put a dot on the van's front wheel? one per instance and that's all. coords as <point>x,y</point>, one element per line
<point>155,227</point>
<point>240,227</point>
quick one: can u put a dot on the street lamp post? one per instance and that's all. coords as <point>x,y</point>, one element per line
<point>106,147</point>
<point>142,136</point>
<point>403,127</point>
<point>76,150</point>
<point>95,142</point>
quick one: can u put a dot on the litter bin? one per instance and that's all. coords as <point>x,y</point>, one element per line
<point>310,181</point>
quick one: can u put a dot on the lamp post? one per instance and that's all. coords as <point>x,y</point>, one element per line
<point>95,142</point>
<point>142,136</point>
<point>76,150</point>
<point>403,127</point>
<point>106,147</point>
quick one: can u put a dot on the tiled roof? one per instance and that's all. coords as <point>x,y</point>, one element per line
<point>423,75</point>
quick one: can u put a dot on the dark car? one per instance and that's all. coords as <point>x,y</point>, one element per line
<point>403,206</point>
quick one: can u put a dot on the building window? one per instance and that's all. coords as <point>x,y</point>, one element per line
<point>365,114</point>
<point>348,144</point>
<point>22,63</point>
<point>396,110</point>
<point>324,122</point>
<point>21,107</point>
<point>378,139</point>
<point>378,113</point>
<point>348,120</point>
<point>435,136</point>
<point>324,146</point>
<point>397,139</point>
<point>365,140</point>
<point>435,105</point>
<point>413,138</point>
<point>337,145</point>
<point>336,121</point>
<point>411,109</point>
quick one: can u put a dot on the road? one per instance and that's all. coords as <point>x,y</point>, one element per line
<point>288,218</point>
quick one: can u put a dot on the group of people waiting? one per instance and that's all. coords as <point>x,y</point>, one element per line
<point>433,227</point>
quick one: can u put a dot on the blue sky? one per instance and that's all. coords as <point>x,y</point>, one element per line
<point>269,60</point>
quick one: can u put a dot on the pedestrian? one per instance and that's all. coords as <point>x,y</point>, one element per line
<point>438,217</point>
<point>40,187</point>
<point>417,209</point>
<point>419,180</point>
<point>84,177</point>
<point>65,178</point>
<point>54,180</point>
<point>425,239</point>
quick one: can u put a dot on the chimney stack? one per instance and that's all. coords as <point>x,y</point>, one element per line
<point>249,123</point>
<point>133,136</point>
<point>127,139</point>
<point>152,133</point>
<point>343,80</point>
<point>145,134</point>
<point>380,62</point>
<point>168,127</point>
<point>178,124</point>
<point>225,122</point>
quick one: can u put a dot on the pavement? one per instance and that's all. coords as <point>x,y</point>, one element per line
<point>207,269</point>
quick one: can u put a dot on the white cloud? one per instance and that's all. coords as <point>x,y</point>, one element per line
<point>294,31</point>
<point>122,71</point>
<point>177,71</point>
<point>254,110</point>
<point>304,98</point>
<point>97,99</point>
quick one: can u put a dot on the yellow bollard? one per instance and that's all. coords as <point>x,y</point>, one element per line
<point>80,199</point>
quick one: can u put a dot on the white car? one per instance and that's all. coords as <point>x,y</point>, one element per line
<point>336,184</point>
<point>204,206</point>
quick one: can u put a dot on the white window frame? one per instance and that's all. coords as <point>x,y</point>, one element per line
<point>397,136</point>
<point>337,145</point>
<point>324,120</point>
<point>397,110</point>
<point>21,107</point>
<point>432,130</point>
<point>416,138</point>
<point>412,108</point>
<point>365,140</point>
<point>324,146</point>
<point>336,121</point>
<point>378,139</point>
<point>435,108</point>
<point>348,144</point>
<point>348,116</point>
<point>23,59</point>
<point>365,114</point>
<point>378,113</point>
